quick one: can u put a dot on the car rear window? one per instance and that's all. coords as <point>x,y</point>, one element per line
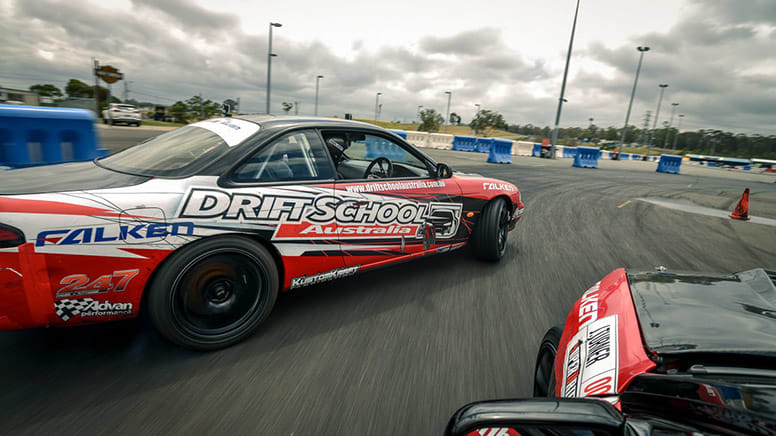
<point>177,153</point>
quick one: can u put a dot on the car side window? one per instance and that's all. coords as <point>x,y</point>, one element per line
<point>352,153</point>
<point>297,156</point>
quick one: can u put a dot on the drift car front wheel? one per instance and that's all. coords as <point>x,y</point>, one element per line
<point>544,375</point>
<point>214,293</point>
<point>489,240</point>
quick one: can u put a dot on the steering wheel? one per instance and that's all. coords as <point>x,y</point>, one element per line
<point>385,169</point>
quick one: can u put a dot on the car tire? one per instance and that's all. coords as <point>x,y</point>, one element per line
<point>544,373</point>
<point>214,293</point>
<point>489,241</point>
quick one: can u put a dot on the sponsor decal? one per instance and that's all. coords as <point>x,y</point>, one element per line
<point>396,186</point>
<point>590,366</point>
<point>133,233</point>
<point>322,216</point>
<point>80,284</point>
<point>298,282</point>
<point>88,307</point>
<point>588,305</point>
<point>233,131</point>
<point>490,186</point>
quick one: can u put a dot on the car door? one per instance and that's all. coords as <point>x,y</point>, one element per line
<point>277,188</point>
<point>382,220</point>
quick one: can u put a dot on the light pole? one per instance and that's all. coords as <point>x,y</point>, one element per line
<point>449,97</point>
<point>668,131</point>
<point>663,87</point>
<point>420,106</point>
<point>563,86</point>
<point>377,101</point>
<point>642,50</point>
<point>678,129</point>
<point>475,116</point>
<point>317,81</point>
<point>269,62</point>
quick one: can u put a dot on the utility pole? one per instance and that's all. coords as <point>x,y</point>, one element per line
<point>447,116</point>
<point>377,102</point>
<point>678,129</point>
<point>668,129</point>
<point>663,87</point>
<point>201,107</point>
<point>95,66</point>
<point>563,86</point>
<point>317,82</point>
<point>269,62</point>
<point>645,128</point>
<point>126,89</point>
<point>296,108</point>
<point>642,50</point>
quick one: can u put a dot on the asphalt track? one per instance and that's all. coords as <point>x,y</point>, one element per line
<point>398,350</point>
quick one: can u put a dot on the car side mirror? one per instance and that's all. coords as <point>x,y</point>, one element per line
<point>537,416</point>
<point>443,171</point>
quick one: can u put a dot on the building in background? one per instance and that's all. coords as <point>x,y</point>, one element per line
<point>18,96</point>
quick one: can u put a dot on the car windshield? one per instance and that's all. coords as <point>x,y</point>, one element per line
<point>178,153</point>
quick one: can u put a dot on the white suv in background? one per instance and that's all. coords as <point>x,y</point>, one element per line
<point>121,113</point>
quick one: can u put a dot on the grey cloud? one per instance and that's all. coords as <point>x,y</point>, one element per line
<point>194,19</point>
<point>468,43</point>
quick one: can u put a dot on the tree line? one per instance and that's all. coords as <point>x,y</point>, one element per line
<point>703,141</point>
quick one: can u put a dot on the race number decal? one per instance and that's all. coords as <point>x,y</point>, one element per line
<point>590,366</point>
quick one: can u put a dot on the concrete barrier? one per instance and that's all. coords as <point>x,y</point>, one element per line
<point>31,135</point>
<point>483,145</point>
<point>523,148</point>
<point>587,157</point>
<point>500,151</point>
<point>441,141</point>
<point>669,163</point>
<point>464,143</point>
<point>418,139</point>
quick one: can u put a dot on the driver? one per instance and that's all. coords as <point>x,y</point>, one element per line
<point>337,147</point>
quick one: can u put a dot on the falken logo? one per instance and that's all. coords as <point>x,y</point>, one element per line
<point>70,308</point>
<point>133,233</point>
<point>323,215</point>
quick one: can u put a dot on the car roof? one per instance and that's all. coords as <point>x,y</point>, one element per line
<point>277,122</point>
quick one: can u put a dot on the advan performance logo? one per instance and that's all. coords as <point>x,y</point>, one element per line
<point>323,216</point>
<point>85,307</point>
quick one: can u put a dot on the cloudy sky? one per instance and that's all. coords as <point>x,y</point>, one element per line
<point>717,56</point>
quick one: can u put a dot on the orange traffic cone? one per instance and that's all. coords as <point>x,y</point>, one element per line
<point>741,212</point>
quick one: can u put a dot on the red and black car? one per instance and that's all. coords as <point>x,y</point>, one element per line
<point>651,353</point>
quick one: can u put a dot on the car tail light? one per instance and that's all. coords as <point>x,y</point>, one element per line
<point>137,112</point>
<point>10,236</point>
<point>115,110</point>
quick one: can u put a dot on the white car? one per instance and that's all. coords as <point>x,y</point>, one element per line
<point>121,113</point>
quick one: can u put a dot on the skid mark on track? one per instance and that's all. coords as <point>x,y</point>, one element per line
<point>688,206</point>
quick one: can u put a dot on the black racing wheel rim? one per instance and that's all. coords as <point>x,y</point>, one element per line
<point>544,375</point>
<point>219,292</point>
<point>503,229</point>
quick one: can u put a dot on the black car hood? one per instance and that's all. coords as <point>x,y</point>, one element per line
<point>80,176</point>
<point>683,313</point>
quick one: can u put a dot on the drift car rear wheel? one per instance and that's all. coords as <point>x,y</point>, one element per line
<point>489,240</point>
<point>214,293</point>
<point>544,375</point>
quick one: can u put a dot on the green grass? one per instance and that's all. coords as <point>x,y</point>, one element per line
<point>160,123</point>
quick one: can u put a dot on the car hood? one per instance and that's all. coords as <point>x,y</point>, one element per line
<point>80,176</point>
<point>685,313</point>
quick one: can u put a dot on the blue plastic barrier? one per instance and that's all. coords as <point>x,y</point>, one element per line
<point>501,151</point>
<point>669,163</point>
<point>536,151</point>
<point>747,167</point>
<point>379,147</point>
<point>31,135</point>
<point>712,164</point>
<point>464,143</point>
<point>402,133</point>
<point>587,157</point>
<point>570,152</point>
<point>483,145</point>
